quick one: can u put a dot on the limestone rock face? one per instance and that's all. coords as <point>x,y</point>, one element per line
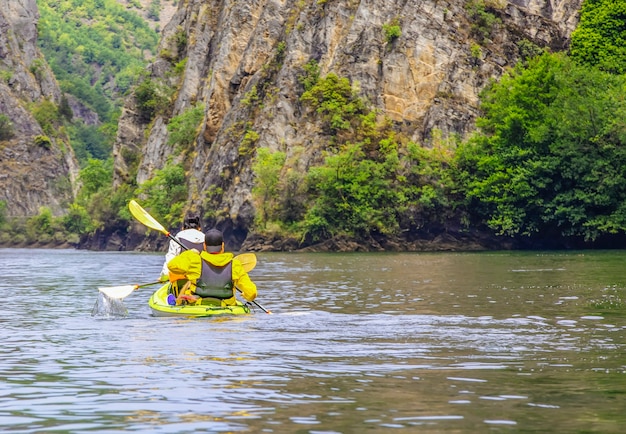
<point>429,77</point>
<point>36,168</point>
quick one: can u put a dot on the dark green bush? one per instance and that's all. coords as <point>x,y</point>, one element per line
<point>550,158</point>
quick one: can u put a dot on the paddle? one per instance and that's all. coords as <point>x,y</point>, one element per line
<point>248,260</point>
<point>123,291</point>
<point>144,217</point>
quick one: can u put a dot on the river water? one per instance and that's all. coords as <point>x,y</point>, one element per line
<point>379,343</point>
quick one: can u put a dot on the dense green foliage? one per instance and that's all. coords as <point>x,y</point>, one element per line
<point>165,195</point>
<point>600,38</point>
<point>482,18</point>
<point>546,162</point>
<point>153,9</point>
<point>364,190</point>
<point>97,50</point>
<point>392,31</point>
<point>90,141</point>
<point>356,195</point>
<point>267,168</point>
<point>47,115</point>
<point>96,176</point>
<point>152,97</point>
<point>551,154</point>
<point>184,127</point>
<point>3,213</point>
<point>335,101</point>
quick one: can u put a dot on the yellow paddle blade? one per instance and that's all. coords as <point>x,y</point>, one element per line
<point>118,292</point>
<point>248,260</point>
<point>142,215</point>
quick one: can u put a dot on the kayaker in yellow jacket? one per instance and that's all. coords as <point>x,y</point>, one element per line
<point>210,276</point>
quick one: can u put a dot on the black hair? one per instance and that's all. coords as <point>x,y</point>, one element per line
<point>192,221</point>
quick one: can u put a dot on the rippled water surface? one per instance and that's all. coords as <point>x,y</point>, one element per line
<point>446,342</point>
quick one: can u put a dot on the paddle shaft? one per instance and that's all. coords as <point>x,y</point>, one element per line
<point>257,304</point>
<point>173,238</point>
<point>147,284</point>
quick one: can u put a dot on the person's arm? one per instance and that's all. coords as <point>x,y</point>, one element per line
<point>187,265</point>
<point>243,281</point>
<point>173,251</point>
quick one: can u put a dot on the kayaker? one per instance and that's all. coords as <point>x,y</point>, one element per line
<point>212,276</point>
<point>190,235</point>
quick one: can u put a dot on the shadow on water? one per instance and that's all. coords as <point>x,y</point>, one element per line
<point>522,342</point>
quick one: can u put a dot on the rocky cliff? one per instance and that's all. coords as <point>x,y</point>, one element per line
<point>37,164</point>
<point>428,77</point>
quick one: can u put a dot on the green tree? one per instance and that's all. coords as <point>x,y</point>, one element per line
<point>392,31</point>
<point>267,167</point>
<point>600,37</point>
<point>90,141</point>
<point>47,115</point>
<point>310,75</point>
<point>42,227</point>
<point>483,19</point>
<point>550,158</point>
<point>64,108</point>
<point>427,185</point>
<point>355,195</point>
<point>165,194</point>
<point>94,177</point>
<point>152,98</point>
<point>77,220</point>
<point>154,9</point>
<point>108,207</point>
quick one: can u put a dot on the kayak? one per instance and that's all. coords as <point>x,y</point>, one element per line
<point>160,307</point>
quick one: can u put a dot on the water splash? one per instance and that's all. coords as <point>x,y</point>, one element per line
<point>109,308</point>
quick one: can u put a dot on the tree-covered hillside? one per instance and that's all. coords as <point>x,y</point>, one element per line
<point>545,166</point>
<point>97,50</point>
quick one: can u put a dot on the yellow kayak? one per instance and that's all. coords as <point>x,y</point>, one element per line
<point>160,307</point>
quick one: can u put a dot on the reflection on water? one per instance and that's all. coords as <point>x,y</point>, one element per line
<point>528,342</point>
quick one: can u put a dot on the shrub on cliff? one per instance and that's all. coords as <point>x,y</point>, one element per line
<point>183,128</point>
<point>152,97</point>
<point>6,128</point>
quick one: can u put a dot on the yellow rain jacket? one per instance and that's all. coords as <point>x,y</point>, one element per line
<point>188,266</point>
